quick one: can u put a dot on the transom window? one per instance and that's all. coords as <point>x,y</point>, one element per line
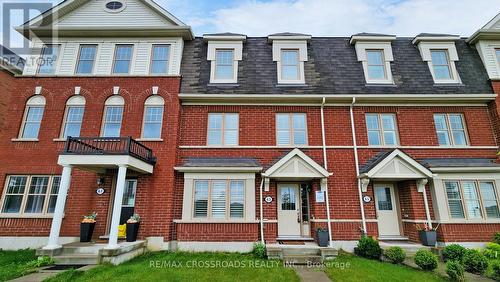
<point>219,199</point>
<point>450,129</point>
<point>441,65</point>
<point>290,65</point>
<point>223,129</point>
<point>159,59</point>
<point>291,129</point>
<point>30,195</point>
<point>376,64</point>
<point>382,129</point>
<point>86,59</point>
<point>224,64</point>
<point>472,199</point>
<point>48,60</point>
<point>123,57</point>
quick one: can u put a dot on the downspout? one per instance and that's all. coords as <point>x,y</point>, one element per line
<point>356,161</point>
<point>261,213</point>
<point>325,161</point>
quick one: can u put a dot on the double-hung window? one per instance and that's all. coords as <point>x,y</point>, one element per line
<point>32,122</point>
<point>382,129</point>
<point>48,59</point>
<point>469,199</point>
<point>224,64</point>
<point>376,65</point>
<point>159,59</point>
<point>223,129</point>
<point>86,59</point>
<point>123,58</point>
<point>153,118</point>
<point>30,195</point>
<point>497,51</point>
<point>450,129</point>
<point>291,129</point>
<point>73,121</point>
<point>290,65</point>
<point>219,199</point>
<point>112,121</point>
<point>441,65</point>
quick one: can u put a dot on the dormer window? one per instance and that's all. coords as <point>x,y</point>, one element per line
<point>375,64</point>
<point>374,51</point>
<point>440,53</point>
<point>225,50</point>
<point>290,55</point>
<point>290,67</point>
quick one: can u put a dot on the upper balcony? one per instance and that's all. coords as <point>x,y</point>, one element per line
<point>101,153</point>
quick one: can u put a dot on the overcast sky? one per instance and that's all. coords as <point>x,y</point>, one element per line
<point>329,17</point>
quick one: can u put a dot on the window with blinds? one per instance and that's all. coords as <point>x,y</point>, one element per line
<point>219,199</point>
<point>454,199</point>
<point>472,199</point>
<point>291,129</point>
<point>223,129</point>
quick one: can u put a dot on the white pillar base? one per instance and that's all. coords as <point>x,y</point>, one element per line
<point>52,247</point>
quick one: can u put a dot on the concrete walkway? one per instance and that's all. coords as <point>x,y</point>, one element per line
<point>311,274</point>
<point>43,274</point>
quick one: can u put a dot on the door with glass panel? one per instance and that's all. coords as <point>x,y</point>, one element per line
<point>289,210</point>
<point>387,214</point>
<point>128,202</point>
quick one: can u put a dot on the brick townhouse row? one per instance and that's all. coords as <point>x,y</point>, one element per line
<point>223,140</point>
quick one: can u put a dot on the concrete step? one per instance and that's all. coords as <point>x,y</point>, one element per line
<point>302,260</point>
<point>329,253</point>
<point>301,251</point>
<point>88,259</point>
<point>89,250</point>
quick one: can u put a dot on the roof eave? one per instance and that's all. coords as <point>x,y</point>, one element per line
<point>367,38</point>
<point>272,38</point>
<point>224,38</point>
<point>419,39</point>
<point>216,169</point>
<point>483,34</point>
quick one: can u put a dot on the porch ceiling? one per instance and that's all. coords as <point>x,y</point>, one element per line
<point>100,164</point>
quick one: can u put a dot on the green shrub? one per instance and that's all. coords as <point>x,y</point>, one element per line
<point>492,250</point>
<point>496,238</point>
<point>395,255</point>
<point>426,260</point>
<point>41,261</point>
<point>453,252</point>
<point>368,248</point>
<point>259,250</point>
<point>495,266</point>
<point>455,270</point>
<point>475,262</point>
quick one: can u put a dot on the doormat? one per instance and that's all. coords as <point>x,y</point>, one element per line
<point>291,243</point>
<point>65,267</point>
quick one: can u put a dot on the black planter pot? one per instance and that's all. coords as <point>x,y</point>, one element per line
<point>132,231</point>
<point>322,238</point>
<point>86,231</point>
<point>428,238</point>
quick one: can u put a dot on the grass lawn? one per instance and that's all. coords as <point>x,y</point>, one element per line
<point>352,268</point>
<point>15,263</point>
<point>179,266</point>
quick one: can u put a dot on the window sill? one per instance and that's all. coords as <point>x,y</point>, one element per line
<point>381,84</point>
<point>292,85</point>
<point>24,140</point>
<point>209,221</point>
<point>471,221</point>
<point>34,216</point>
<point>150,140</point>
<point>59,140</point>
<point>223,84</point>
<point>448,84</point>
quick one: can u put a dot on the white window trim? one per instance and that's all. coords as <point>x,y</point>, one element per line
<point>73,101</point>
<point>381,129</point>
<point>223,129</point>
<point>93,64</point>
<point>169,60</point>
<point>291,129</point>
<point>213,46</point>
<point>386,48</point>
<point>35,101</point>
<point>249,199</point>
<point>58,60</point>
<point>153,101</point>
<point>450,130</point>
<point>282,45</point>
<point>21,213</point>
<point>132,59</point>
<point>450,48</point>
<point>113,101</point>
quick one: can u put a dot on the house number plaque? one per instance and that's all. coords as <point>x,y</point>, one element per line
<point>367,199</point>
<point>268,199</point>
<point>99,191</point>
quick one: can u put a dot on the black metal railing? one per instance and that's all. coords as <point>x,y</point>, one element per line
<point>108,146</point>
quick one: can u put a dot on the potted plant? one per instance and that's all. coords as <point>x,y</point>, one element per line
<point>427,235</point>
<point>87,227</point>
<point>322,237</point>
<point>133,227</point>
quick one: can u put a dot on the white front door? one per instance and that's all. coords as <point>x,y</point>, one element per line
<point>387,214</point>
<point>288,210</point>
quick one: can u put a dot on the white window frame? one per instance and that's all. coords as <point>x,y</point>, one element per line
<point>381,130</point>
<point>73,102</point>
<point>37,101</point>
<point>477,183</point>
<point>450,48</point>
<point>222,142</point>
<point>362,49</point>
<point>154,101</point>
<point>216,45</point>
<point>113,101</point>
<point>93,62</point>
<point>291,129</point>
<point>25,195</point>
<point>169,59</point>
<point>216,65</point>
<point>56,63</point>
<point>450,130</point>
<point>496,52</point>
<point>209,215</point>
<point>132,59</point>
<point>285,45</point>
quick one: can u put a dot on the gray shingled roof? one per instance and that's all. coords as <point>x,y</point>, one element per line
<point>220,162</point>
<point>332,68</point>
<point>372,162</point>
<point>459,162</point>
<point>224,34</point>
<point>289,34</point>
<point>11,60</point>
<point>435,35</point>
<point>372,34</point>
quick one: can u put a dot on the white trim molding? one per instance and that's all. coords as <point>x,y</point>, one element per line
<point>364,45</point>
<point>428,44</point>
<point>282,44</point>
<point>216,45</point>
<point>301,164</point>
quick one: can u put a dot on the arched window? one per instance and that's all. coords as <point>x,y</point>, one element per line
<point>73,116</point>
<point>113,115</point>
<point>32,117</point>
<point>153,117</point>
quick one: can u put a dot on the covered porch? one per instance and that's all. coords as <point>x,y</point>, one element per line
<point>122,155</point>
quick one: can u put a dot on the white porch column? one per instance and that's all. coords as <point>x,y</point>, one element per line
<point>421,188</point>
<point>117,207</point>
<point>59,209</point>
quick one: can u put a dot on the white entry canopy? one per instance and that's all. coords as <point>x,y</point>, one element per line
<point>394,165</point>
<point>296,165</point>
